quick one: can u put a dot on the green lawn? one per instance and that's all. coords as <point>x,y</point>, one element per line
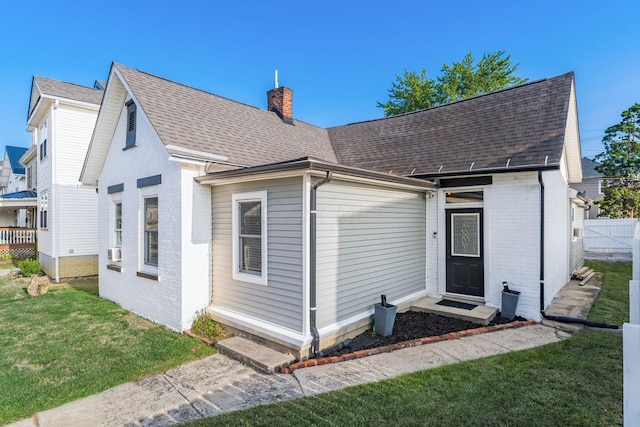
<point>613,306</point>
<point>69,344</point>
<point>576,382</point>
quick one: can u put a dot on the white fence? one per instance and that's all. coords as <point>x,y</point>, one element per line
<point>609,235</point>
<point>631,343</point>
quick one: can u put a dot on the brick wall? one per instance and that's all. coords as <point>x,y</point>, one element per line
<point>78,266</point>
<point>511,240</point>
<point>180,289</point>
<point>280,99</point>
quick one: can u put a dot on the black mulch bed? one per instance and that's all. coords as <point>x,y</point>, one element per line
<point>408,326</point>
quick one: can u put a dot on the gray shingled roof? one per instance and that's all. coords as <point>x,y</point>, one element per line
<point>524,124</point>
<point>197,120</point>
<point>60,89</point>
<point>589,169</point>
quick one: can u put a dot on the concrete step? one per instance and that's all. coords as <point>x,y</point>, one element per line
<point>481,314</point>
<point>254,354</point>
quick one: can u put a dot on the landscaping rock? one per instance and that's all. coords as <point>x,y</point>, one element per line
<point>39,285</point>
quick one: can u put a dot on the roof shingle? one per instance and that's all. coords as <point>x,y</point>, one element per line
<point>66,90</point>
<point>523,125</point>
<point>191,118</point>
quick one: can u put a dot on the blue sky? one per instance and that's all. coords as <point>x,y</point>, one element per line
<point>339,57</point>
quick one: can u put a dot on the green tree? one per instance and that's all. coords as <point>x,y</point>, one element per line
<point>414,91</point>
<point>620,202</point>
<point>620,164</point>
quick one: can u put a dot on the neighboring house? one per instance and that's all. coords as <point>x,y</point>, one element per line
<point>61,118</point>
<point>16,203</point>
<point>13,172</point>
<point>592,186</point>
<point>290,233</point>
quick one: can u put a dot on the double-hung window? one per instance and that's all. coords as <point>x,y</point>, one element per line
<point>42,135</point>
<point>249,222</point>
<point>29,178</point>
<point>44,209</point>
<point>117,224</point>
<point>151,231</point>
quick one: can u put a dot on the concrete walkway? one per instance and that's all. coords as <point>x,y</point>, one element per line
<point>218,384</point>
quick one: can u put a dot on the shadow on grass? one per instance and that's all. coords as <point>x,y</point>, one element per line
<point>88,285</point>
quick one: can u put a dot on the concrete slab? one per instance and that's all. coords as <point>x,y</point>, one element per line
<point>254,354</point>
<point>524,338</point>
<point>481,314</point>
<point>574,300</point>
<point>467,349</point>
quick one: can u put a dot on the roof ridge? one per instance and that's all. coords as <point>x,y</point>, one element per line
<point>69,83</point>
<point>459,101</point>
<point>209,93</point>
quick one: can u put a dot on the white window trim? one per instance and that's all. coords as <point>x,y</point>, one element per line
<point>145,193</point>
<point>600,191</point>
<point>112,222</point>
<point>261,196</point>
<point>44,207</point>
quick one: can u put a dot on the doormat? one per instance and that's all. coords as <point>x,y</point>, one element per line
<point>456,304</point>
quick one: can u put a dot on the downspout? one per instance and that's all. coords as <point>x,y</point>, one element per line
<point>562,319</point>
<point>315,343</point>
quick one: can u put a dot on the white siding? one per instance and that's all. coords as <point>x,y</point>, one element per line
<point>73,129</point>
<point>577,239</point>
<point>77,220</point>
<point>72,211</point>
<point>183,261</point>
<point>371,241</point>
<point>281,301</point>
<point>45,180</point>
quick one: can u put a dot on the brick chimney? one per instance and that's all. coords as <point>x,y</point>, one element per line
<point>280,101</point>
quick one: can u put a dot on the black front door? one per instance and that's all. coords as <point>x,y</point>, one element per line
<point>465,265</point>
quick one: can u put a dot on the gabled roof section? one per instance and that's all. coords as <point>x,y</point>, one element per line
<point>57,89</point>
<point>14,154</point>
<point>516,128</point>
<point>589,168</point>
<point>197,121</point>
